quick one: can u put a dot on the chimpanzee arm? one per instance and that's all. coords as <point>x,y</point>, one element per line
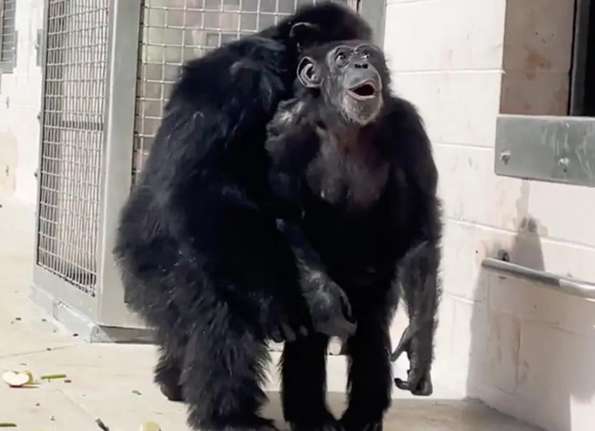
<point>291,144</point>
<point>419,269</point>
<point>329,307</point>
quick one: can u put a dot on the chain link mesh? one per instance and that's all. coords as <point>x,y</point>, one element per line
<point>7,32</point>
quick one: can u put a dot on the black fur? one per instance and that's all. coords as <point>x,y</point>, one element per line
<point>362,204</point>
<point>199,251</point>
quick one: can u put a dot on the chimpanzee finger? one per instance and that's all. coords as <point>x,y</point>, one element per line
<point>276,336</point>
<point>398,352</point>
<point>337,327</point>
<point>346,307</point>
<point>346,328</point>
<point>403,344</point>
<point>303,331</point>
<point>402,384</point>
<point>288,333</point>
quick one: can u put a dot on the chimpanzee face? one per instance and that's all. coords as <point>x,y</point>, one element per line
<point>349,76</point>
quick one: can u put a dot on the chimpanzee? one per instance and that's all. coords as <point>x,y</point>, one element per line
<point>198,247</point>
<point>354,167</point>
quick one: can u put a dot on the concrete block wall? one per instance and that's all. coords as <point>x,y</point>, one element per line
<point>523,349</point>
<point>20,98</point>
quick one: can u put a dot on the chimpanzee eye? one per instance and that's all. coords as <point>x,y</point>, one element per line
<point>341,59</point>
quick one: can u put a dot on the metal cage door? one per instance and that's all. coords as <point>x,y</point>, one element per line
<point>76,59</point>
<point>89,75</point>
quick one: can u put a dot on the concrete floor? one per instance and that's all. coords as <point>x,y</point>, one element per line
<point>114,383</point>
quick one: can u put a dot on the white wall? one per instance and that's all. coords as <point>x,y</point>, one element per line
<point>20,94</point>
<point>520,348</point>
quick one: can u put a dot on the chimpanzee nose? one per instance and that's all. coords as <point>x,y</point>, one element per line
<point>361,64</point>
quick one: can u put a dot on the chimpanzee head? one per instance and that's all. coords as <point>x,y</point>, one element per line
<point>351,76</point>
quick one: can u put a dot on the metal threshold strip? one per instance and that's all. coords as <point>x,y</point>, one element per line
<point>582,289</point>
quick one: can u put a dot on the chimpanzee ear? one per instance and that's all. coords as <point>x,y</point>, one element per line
<point>303,34</point>
<point>308,73</point>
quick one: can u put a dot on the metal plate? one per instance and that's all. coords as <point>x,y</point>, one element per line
<point>555,149</point>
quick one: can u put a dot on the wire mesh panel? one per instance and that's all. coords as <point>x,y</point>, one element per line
<point>77,42</point>
<point>174,31</point>
<point>7,32</point>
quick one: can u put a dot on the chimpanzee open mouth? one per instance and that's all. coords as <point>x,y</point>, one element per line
<point>365,90</point>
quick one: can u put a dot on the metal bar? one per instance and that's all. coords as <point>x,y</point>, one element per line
<point>81,125</point>
<point>579,57</point>
<point>569,286</point>
<point>40,117</point>
<point>117,181</point>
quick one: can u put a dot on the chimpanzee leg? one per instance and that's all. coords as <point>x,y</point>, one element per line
<point>172,347</point>
<point>167,375</point>
<point>370,372</point>
<point>222,378</point>
<point>304,385</point>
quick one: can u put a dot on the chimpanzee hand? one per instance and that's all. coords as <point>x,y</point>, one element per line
<point>419,352</point>
<point>286,323</point>
<point>329,306</point>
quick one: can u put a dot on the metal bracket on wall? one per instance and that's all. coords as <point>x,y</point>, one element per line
<point>555,149</point>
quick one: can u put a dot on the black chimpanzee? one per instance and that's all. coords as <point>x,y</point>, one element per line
<point>199,250</point>
<point>354,166</point>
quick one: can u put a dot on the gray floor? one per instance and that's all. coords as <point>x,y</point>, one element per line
<point>113,382</point>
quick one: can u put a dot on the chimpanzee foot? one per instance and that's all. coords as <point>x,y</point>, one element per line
<point>328,426</point>
<point>325,422</point>
<point>351,422</point>
<point>168,379</point>
<point>252,424</point>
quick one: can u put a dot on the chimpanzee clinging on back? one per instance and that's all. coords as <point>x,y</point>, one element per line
<point>354,166</point>
<point>200,254</point>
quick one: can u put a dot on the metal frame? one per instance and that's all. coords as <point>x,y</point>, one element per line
<point>8,65</point>
<point>579,57</point>
<point>117,179</point>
